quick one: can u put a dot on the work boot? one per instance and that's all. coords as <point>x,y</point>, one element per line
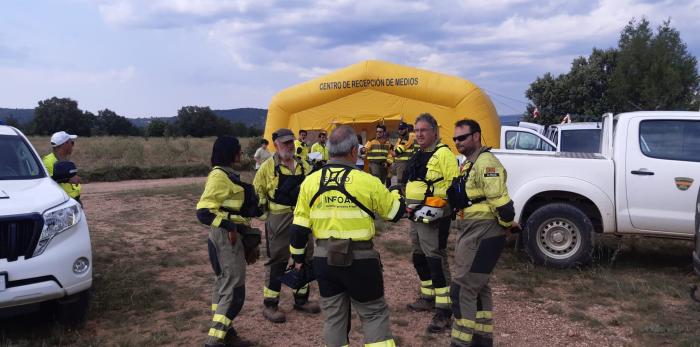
<point>442,320</point>
<point>274,315</point>
<point>308,307</point>
<point>422,304</point>
<point>233,340</point>
<point>481,341</point>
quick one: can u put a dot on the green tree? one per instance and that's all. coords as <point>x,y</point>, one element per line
<point>199,121</point>
<point>646,72</point>
<point>110,123</point>
<point>655,71</point>
<point>157,128</point>
<point>12,121</point>
<point>58,114</point>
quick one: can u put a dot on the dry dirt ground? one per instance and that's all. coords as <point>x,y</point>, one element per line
<point>153,283</point>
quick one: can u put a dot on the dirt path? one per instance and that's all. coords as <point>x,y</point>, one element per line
<point>161,231</point>
<point>111,187</point>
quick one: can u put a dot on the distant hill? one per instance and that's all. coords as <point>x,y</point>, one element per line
<point>510,119</point>
<point>22,115</point>
<point>249,116</point>
<point>254,117</point>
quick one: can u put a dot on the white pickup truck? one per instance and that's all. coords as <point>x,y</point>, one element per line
<point>645,182</point>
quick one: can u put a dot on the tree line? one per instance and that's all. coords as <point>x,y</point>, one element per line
<point>649,70</point>
<point>56,114</point>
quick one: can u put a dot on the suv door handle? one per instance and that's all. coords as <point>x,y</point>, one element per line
<point>643,173</point>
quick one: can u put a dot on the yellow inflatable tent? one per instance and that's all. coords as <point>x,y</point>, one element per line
<point>375,92</point>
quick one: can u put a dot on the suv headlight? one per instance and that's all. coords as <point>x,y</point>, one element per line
<point>55,222</point>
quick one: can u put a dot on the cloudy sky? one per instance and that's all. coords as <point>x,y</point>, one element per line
<point>151,57</point>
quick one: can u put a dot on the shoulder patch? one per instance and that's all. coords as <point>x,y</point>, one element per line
<point>491,172</point>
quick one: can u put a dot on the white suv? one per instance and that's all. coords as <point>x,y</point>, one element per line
<point>45,252</point>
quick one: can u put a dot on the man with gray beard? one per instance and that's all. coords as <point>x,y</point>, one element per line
<point>277,184</point>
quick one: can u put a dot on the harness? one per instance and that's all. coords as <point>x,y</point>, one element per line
<point>457,192</point>
<point>417,169</point>
<point>287,190</point>
<point>250,207</point>
<point>336,182</point>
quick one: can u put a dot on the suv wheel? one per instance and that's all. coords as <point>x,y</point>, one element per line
<point>72,310</point>
<point>559,235</point>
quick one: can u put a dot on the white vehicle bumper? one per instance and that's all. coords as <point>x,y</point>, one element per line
<point>49,275</point>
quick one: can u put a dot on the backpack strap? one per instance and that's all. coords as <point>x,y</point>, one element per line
<point>339,186</point>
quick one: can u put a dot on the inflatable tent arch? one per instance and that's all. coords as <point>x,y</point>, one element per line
<point>376,92</point>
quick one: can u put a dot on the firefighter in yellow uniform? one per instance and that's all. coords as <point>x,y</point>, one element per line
<point>337,204</point>
<point>320,147</point>
<point>300,147</point>
<point>226,205</point>
<point>403,150</point>
<point>277,183</point>
<point>485,213</point>
<point>377,151</point>
<point>428,174</point>
<point>61,149</point>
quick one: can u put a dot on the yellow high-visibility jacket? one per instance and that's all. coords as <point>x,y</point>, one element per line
<point>334,214</point>
<point>317,147</point>
<point>487,180</point>
<point>301,149</point>
<point>441,169</point>
<point>266,181</point>
<point>404,148</point>
<point>73,190</point>
<point>377,152</point>
<point>222,199</point>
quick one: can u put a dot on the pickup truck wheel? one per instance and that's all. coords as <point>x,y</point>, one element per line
<point>72,310</point>
<point>559,235</point>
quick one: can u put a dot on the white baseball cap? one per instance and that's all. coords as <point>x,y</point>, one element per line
<point>61,137</point>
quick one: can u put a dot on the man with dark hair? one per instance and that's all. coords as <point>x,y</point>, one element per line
<point>300,147</point>
<point>403,150</point>
<point>378,154</point>
<point>320,147</point>
<point>277,184</point>
<point>337,204</point>
<point>485,211</point>
<point>428,174</point>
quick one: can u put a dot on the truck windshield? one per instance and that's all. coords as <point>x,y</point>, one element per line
<point>583,140</point>
<point>17,160</point>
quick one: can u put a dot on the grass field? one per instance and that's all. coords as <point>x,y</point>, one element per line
<point>152,282</point>
<point>108,158</point>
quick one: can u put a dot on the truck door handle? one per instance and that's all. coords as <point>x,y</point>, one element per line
<point>643,173</point>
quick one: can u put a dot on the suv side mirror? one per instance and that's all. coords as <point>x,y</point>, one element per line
<point>63,171</point>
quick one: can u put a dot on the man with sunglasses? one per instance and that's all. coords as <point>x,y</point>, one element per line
<point>61,149</point>
<point>482,234</point>
<point>429,173</point>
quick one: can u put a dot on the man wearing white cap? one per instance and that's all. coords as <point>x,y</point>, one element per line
<point>62,147</point>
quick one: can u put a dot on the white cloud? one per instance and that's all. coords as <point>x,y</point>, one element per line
<point>485,40</point>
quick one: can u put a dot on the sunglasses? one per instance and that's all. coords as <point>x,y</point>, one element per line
<point>461,138</point>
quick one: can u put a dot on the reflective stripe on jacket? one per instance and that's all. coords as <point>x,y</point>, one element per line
<point>266,181</point>
<point>487,180</point>
<point>404,149</point>
<point>334,215</point>
<point>222,197</point>
<point>441,167</point>
<point>377,152</point>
